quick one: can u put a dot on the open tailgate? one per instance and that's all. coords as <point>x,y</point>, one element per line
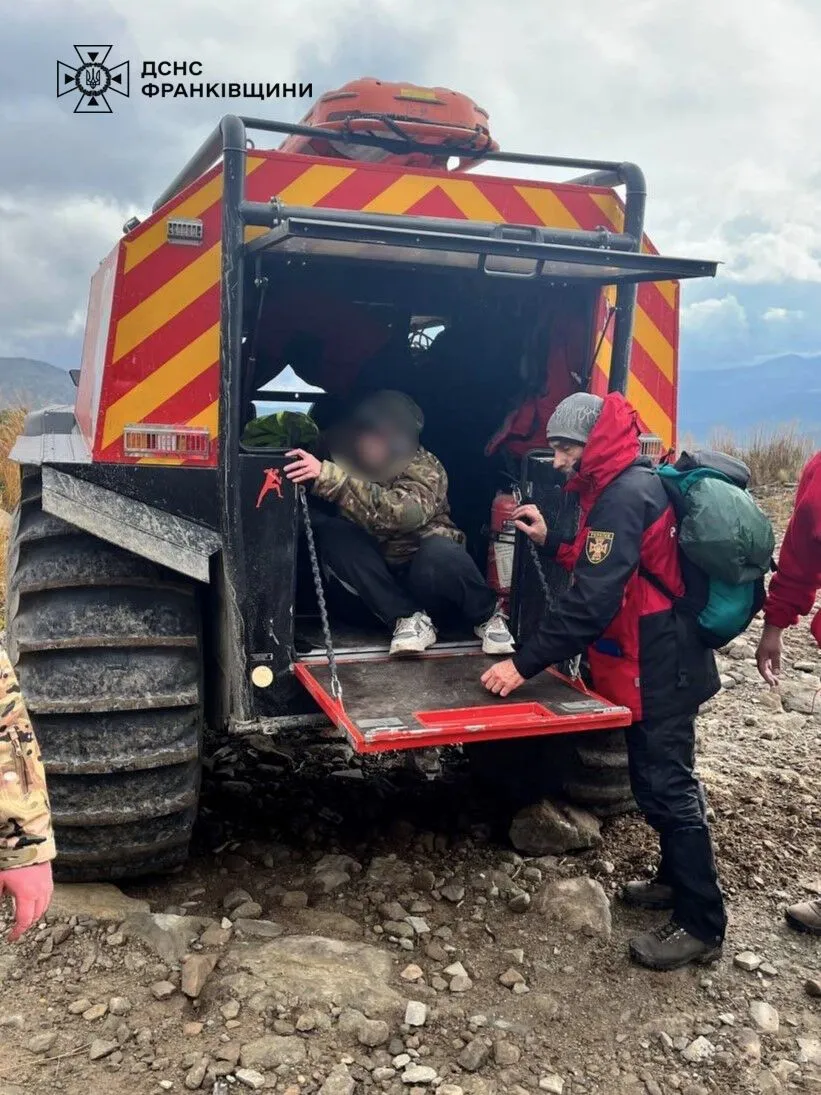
<point>438,699</point>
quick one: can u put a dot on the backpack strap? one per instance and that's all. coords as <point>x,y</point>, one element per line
<point>657,584</point>
<point>682,677</point>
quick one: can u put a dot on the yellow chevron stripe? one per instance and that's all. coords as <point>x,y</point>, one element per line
<point>612,209</point>
<point>314,184</point>
<point>167,301</point>
<point>653,342</point>
<point>401,195</point>
<point>469,199</point>
<point>159,386</point>
<point>193,206</point>
<point>654,418</point>
<point>652,414</point>
<point>208,417</point>
<point>548,207</point>
<point>669,290</point>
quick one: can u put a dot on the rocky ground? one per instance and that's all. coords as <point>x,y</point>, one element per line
<point>342,931</point>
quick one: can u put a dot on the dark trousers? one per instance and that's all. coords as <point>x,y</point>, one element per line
<point>441,578</point>
<point>662,760</point>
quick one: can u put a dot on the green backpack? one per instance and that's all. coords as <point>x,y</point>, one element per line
<point>726,543</point>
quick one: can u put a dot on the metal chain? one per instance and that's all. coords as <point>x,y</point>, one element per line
<point>336,687</point>
<point>574,664</point>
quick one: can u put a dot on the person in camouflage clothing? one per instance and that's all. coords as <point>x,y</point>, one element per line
<point>389,539</point>
<point>26,839</point>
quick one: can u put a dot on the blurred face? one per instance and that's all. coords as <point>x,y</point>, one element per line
<point>373,450</point>
<point>566,456</point>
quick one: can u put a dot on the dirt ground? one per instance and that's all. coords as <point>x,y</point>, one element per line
<point>322,898</point>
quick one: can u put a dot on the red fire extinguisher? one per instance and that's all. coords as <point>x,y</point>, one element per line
<point>501,545</point>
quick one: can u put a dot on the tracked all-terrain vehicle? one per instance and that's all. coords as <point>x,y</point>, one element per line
<point>159,578</point>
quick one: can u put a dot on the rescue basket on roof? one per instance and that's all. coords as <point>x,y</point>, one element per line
<point>436,116</point>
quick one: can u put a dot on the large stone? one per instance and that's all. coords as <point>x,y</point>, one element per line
<point>338,1082</point>
<point>249,1077</point>
<point>273,1050</point>
<point>167,935</point>
<point>258,929</point>
<point>798,697</point>
<point>474,1055</point>
<point>551,827</point>
<point>196,969</point>
<point>97,899</point>
<point>389,871</point>
<point>325,922</point>
<point>764,1017</point>
<point>580,904</point>
<point>321,972</point>
<point>809,1050</point>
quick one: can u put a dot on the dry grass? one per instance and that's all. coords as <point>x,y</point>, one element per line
<point>774,456</point>
<point>11,423</point>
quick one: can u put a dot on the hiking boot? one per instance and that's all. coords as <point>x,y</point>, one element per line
<point>413,634</point>
<point>671,947</point>
<point>495,634</point>
<point>805,916</point>
<point>648,894</point>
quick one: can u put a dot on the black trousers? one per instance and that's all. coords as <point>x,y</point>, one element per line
<point>441,578</point>
<point>662,759</point>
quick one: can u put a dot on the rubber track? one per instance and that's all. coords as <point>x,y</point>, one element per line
<point>107,647</point>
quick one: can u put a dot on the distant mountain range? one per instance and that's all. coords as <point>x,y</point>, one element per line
<point>773,393</point>
<point>779,391</point>
<point>33,384</point>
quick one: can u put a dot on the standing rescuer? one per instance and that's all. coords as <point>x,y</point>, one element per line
<point>26,840</point>
<point>791,595</point>
<point>642,655</point>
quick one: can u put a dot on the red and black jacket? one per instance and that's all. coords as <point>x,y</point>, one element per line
<point>642,654</point>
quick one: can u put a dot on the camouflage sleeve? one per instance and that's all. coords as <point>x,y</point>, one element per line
<point>405,505</point>
<point>25,817</point>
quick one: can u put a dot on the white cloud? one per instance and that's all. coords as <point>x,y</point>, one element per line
<point>782,315</point>
<point>49,255</point>
<point>723,315</point>
<point>711,100</point>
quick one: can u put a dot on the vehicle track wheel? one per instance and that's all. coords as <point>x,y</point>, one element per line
<point>107,646</point>
<point>587,769</point>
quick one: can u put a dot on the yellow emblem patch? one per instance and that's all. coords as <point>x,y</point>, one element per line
<point>598,545</point>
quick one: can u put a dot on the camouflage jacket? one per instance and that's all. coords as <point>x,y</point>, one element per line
<point>25,817</point>
<point>398,514</point>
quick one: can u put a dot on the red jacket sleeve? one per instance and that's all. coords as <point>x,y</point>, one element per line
<point>793,588</point>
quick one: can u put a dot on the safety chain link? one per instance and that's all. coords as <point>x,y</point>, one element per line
<point>574,664</point>
<point>336,687</point>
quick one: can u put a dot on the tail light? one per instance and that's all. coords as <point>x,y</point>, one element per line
<point>189,442</point>
<point>652,446</point>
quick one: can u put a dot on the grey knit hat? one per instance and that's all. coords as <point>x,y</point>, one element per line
<point>575,417</point>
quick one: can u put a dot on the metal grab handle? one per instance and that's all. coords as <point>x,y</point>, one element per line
<point>531,233</point>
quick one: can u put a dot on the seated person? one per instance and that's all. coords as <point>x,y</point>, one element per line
<point>390,539</point>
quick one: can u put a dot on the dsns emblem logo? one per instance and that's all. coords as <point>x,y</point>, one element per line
<point>92,79</point>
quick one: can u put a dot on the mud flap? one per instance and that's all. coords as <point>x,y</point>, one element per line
<point>438,699</point>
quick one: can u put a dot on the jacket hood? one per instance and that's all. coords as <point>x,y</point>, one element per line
<point>612,447</point>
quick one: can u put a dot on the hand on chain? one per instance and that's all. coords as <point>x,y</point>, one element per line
<point>304,469</point>
<point>528,519</point>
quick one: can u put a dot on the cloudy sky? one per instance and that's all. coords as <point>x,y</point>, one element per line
<point>718,102</point>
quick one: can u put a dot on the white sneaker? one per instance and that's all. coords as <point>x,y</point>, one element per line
<point>413,634</point>
<point>495,634</point>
